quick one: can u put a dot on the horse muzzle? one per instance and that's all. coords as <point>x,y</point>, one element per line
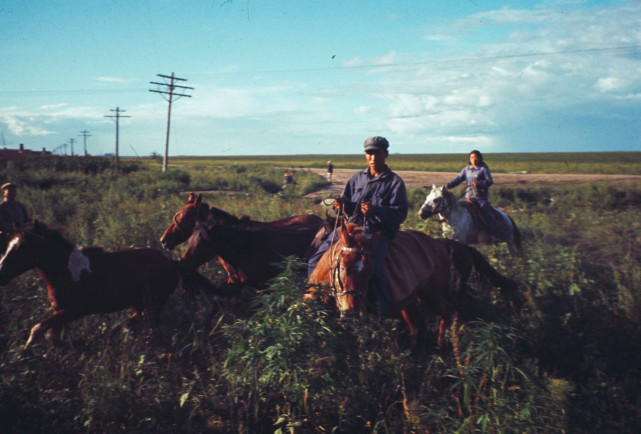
<point>425,213</point>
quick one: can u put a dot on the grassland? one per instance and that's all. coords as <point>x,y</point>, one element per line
<point>628,163</point>
<point>567,362</point>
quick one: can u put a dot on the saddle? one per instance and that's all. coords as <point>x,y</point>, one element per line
<point>484,226</point>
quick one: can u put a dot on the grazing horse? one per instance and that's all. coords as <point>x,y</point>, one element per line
<point>461,221</point>
<point>250,254</point>
<point>421,271</point>
<point>83,281</point>
<point>195,210</point>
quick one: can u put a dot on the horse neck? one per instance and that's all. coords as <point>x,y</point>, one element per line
<point>53,263</point>
<point>220,216</point>
<point>322,271</point>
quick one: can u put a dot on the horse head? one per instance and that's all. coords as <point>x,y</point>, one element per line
<point>352,267</point>
<point>437,201</point>
<point>184,221</point>
<point>24,251</point>
<point>200,247</point>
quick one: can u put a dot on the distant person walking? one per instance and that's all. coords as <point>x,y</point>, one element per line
<point>288,178</point>
<point>478,179</point>
<point>13,214</point>
<point>330,171</point>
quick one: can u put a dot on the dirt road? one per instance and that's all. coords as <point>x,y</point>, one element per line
<point>420,179</point>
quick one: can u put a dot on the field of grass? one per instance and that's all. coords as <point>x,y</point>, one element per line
<point>628,163</point>
<point>567,362</point>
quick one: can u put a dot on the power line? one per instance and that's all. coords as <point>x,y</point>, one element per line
<point>169,94</point>
<point>117,116</point>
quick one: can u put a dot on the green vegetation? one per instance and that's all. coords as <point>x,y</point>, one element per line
<point>568,362</point>
<point>628,163</point>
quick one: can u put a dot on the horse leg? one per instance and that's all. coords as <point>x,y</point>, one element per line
<point>441,331</point>
<point>417,328</point>
<point>410,324</point>
<point>54,322</point>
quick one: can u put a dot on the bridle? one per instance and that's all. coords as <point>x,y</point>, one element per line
<point>442,207</point>
<point>336,274</point>
<point>181,229</point>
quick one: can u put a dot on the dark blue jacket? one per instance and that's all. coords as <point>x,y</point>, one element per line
<point>470,174</point>
<point>387,195</point>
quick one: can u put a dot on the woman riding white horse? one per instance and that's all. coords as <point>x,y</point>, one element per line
<point>478,178</point>
<point>460,220</point>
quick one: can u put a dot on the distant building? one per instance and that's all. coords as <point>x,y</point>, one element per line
<point>15,154</point>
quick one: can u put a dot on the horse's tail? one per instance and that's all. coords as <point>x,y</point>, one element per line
<point>517,236</point>
<point>465,256</point>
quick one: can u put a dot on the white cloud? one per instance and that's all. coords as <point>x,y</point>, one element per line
<point>114,80</point>
<point>608,84</point>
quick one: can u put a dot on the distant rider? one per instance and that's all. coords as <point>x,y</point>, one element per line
<point>376,199</point>
<point>479,179</point>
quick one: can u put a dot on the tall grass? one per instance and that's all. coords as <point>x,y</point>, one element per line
<point>268,362</point>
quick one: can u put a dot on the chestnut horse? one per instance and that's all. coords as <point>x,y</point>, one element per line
<point>247,249</point>
<point>421,271</point>
<point>83,281</point>
<point>250,254</point>
<point>195,210</point>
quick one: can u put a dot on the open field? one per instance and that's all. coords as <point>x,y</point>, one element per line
<point>566,362</point>
<point>620,163</point>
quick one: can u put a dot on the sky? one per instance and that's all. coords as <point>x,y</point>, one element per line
<point>318,77</point>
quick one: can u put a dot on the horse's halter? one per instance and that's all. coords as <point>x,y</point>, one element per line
<point>336,275</point>
<point>181,229</point>
<point>443,206</point>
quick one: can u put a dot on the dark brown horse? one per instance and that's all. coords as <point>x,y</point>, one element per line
<point>250,254</point>
<point>247,249</point>
<point>195,210</point>
<point>83,281</point>
<point>421,271</point>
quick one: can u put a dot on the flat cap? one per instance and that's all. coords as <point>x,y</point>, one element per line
<point>376,142</point>
<point>7,185</point>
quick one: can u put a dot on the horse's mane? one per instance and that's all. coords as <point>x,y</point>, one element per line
<point>219,215</point>
<point>44,230</point>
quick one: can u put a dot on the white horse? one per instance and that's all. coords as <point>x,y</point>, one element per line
<point>461,221</point>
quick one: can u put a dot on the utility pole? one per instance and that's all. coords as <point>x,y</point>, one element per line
<point>85,134</point>
<point>117,116</point>
<point>170,91</point>
<point>71,143</point>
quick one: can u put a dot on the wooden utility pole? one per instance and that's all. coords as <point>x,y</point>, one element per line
<point>117,116</point>
<point>170,91</point>
<point>71,141</point>
<point>84,134</point>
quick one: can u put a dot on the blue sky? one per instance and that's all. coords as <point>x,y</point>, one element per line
<point>318,77</point>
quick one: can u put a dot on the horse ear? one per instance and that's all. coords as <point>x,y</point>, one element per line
<point>343,234</point>
<point>191,197</point>
<point>434,187</point>
<point>199,199</point>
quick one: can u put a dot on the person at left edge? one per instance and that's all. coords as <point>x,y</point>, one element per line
<point>13,214</point>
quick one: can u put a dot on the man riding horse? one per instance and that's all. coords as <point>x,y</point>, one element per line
<point>478,179</point>
<point>13,214</point>
<point>376,199</point>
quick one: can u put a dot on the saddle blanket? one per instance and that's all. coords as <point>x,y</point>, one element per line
<point>412,259</point>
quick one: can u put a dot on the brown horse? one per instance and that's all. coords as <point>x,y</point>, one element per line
<point>83,281</point>
<point>421,271</point>
<point>250,254</point>
<point>195,210</point>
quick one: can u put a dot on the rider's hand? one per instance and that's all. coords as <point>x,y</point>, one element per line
<point>337,203</point>
<point>366,208</point>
